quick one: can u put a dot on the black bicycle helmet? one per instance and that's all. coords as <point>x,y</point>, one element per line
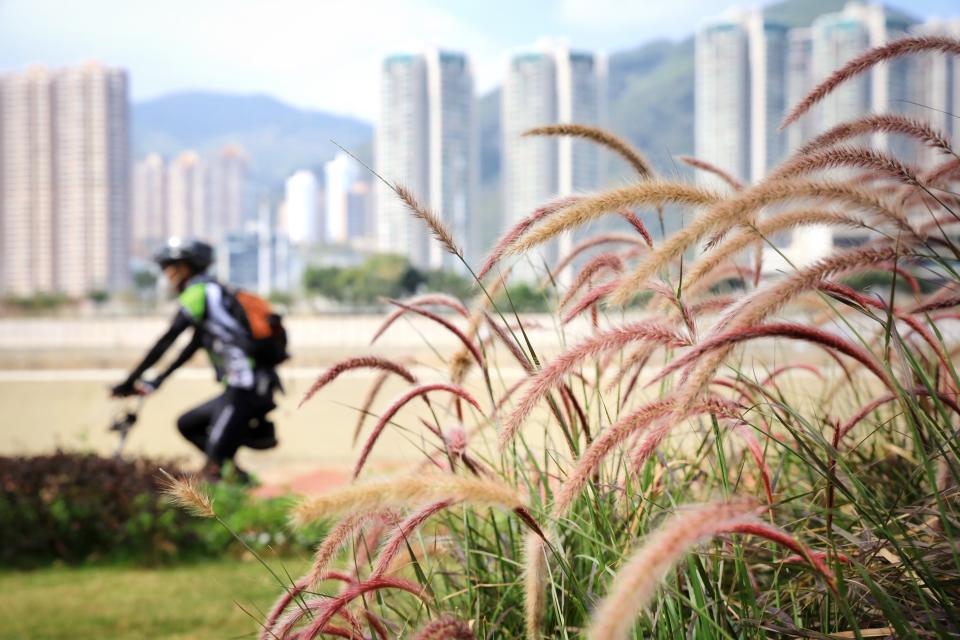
<point>194,253</point>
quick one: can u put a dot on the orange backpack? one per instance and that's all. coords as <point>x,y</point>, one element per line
<point>266,328</point>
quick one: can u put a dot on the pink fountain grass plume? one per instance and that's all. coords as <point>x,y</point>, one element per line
<point>368,401</point>
<point>398,404</point>
<point>935,303</point>
<point>712,304</point>
<point>627,426</point>
<point>942,174</point>
<point>407,491</point>
<point>820,557</point>
<point>510,344</point>
<point>590,243</point>
<point>865,61</point>
<point>284,601</point>
<point>879,123</point>
<point>674,299</point>
<point>786,330</point>
<point>365,362</point>
<point>377,623</point>
<point>340,536</point>
<point>694,278</point>
<point>636,582</point>
<point>784,539</point>
<point>551,374</point>
<point>651,192</point>
<point>446,324</point>
<point>742,208</point>
<point>847,157</point>
<point>426,300</point>
<point>505,241</point>
<point>752,310</point>
<point>637,224</point>
<point>336,605</point>
<point>445,627</point>
<point>873,405</point>
<point>602,137</point>
<point>703,165</point>
<point>779,371</point>
<point>843,291</point>
<point>603,262</point>
<point>590,298</point>
<point>285,630</point>
<point>403,531</point>
<point>767,300</point>
<point>745,431</point>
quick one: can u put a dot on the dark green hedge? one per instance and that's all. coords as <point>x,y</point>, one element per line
<point>83,508</point>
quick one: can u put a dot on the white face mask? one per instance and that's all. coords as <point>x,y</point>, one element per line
<point>168,291</point>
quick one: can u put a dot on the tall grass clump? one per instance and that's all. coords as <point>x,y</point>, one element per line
<point>706,451</point>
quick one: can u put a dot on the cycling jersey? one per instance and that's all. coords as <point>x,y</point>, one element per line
<point>209,307</point>
<point>212,312</point>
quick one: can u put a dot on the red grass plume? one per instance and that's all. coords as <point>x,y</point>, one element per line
<point>703,165</point>
<point>879,123</point>
<point>625,427</point>
<point>404,530</point>
<point>636,582</point>
<point>445,628</point>
<point>363,362</point>
<point>338,537</point>
<point>551,374</point>
<point>863,62</point>
<point>446,324</point>
<point>853,157</point>
<point>430,299</point>
<point>787,330</point>
<point>399,404</point>
<point>517,230</point>
<point>334,605</point>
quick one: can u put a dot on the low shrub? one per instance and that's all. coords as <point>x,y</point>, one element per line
<point>76,508</point>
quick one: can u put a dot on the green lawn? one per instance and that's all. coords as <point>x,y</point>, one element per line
<point>191,601</point>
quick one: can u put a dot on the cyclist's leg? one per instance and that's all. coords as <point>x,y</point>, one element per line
<point>195,423</point>
<point>231,423</point>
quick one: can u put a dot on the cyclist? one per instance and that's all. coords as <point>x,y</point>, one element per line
<point>237,417</point>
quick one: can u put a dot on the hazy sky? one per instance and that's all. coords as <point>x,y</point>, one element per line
<point>325,54</point>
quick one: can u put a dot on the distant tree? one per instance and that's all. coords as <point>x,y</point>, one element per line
<point>144,280</point>
<point>98,297</point>
<point>281,298</point>
<point>450,282</point>
<point>524,298</point>
<point>39,302</point>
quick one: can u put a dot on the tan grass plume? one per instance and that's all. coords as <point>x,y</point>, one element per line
<point>186,492</point>
<point>763,229</point>
<point>602,137</point>
<point>741,208</point>
<point>406,492</point>
<point>637,581</point>
<point>432,220</point>
<point>654,192</point>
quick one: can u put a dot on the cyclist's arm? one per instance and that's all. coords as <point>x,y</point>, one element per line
<point>195,343</point>
<point>181,322</point>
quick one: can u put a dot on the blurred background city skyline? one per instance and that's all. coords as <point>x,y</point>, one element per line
<point>182,130</point>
